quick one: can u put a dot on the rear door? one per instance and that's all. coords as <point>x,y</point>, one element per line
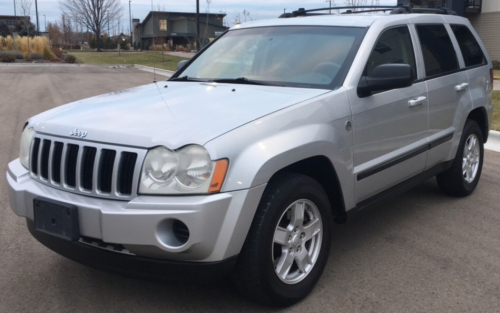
<point>448,89</point>
<point>475,63</point>
<point>389,127</point>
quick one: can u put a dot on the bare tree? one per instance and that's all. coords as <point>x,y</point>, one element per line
<point>24,6</point>
<point>93,14</point>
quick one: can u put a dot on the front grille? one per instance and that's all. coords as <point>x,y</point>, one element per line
<point>88,168</point>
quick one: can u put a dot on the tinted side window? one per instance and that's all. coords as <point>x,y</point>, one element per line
<point>394,46</point>
<point>439,55</point>
<point>472,53</point>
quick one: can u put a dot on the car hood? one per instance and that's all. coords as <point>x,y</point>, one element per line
<point>167,113</point>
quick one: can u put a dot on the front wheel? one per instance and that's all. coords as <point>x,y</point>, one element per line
<point>288,243</point>
<point>462,178</point>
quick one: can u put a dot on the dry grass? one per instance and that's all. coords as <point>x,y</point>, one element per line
<point>36,44</point>
<point>159,47</point>
<point>495,123</point>
<point>7,43</point>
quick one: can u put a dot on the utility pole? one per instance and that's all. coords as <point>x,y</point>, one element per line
<point>198,22</point>
<point>37,24</point>
<point>130,18</point>
<point>15,8</point>
<point>45,22</point>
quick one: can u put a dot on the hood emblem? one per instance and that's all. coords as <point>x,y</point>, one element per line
<point>78,133</point>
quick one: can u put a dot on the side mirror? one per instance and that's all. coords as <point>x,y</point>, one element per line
<point>385,77</point>
<point>181,64</point>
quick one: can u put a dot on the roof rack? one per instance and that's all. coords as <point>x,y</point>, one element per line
<point>398,9</point>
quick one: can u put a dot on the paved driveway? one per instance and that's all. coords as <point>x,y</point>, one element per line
<point>420,252</point>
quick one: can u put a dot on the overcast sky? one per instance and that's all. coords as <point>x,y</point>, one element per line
<point>259,9</point>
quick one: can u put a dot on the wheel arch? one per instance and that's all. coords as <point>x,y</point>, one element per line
<point>480,116</point>
<point>321,169</point>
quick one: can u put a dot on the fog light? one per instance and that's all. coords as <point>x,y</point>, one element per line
<point>173,233</point>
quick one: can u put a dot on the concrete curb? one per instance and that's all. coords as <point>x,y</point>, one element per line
<point>493,141</point>
<point>140,67</point>
<point>48,64</point>
<point>157,70</point>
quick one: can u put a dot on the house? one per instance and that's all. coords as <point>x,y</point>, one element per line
<point>12,20</point>
<point>487,24</point>
<point>176,28</point>
<point>484,15</point>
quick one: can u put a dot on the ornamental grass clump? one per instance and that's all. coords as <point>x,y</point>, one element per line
<point>8,43</point>
<point>32,45</point>
<point>47,54</point>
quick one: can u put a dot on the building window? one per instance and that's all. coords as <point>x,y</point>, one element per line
<point>163,25</point>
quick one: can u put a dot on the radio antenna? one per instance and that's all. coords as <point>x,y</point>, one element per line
<point>154,72</point>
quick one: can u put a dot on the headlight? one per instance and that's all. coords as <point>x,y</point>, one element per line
<point>188,170</point>
<point>24,151</point>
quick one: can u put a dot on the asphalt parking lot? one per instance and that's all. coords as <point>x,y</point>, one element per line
<point>420,252</point>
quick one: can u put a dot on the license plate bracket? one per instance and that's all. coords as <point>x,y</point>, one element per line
<point>56,218</point>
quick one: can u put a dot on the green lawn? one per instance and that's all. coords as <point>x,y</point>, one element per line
<point>496,74</point>
<point>495,125</point>
<point>153,59</point>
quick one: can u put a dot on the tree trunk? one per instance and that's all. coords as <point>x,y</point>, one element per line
<point>98,40</point>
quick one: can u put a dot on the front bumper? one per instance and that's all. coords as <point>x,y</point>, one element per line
<point>135,266</point>
<point>217,224</point>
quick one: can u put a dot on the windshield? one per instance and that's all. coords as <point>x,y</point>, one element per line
<point>298,56</point>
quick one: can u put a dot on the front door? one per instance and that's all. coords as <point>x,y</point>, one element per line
<point>390,127</point>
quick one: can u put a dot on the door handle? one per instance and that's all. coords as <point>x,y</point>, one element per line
<point>461,87</point>
<point>418,101</point>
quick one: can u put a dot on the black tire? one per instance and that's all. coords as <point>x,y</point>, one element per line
<point>254,275</point>
<point>452,181</point>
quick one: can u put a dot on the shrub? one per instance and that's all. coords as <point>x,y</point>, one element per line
<point>57,52</point>
<point>7,57</point>
<point>182,49</point>
<point>19,55</point>
<point>496,65</point>
<point>36,56</point>
<point>160,48</point>
<point>47,54</point>
<point>70,59</point>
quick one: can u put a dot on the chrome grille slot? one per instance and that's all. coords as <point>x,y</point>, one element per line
<point>44,163</point>
<point>126,172</point>
<point>71,160</point>
<point>34,156</point>
<point>87,168</point>
<point>56,162</point>
<point>106,170</point>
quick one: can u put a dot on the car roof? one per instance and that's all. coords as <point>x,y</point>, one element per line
<point>352,20</point>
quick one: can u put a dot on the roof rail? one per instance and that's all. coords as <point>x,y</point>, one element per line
<point>399,9</point>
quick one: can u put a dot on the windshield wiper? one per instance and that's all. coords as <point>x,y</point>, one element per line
<point>241,80</point>
<point>187,79</point>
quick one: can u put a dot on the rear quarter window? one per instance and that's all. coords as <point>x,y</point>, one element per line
<point>471,51</point>
<point>438,51</point>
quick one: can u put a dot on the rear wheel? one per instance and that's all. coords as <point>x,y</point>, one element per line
<point>288,243</point>
<point>462,178</point>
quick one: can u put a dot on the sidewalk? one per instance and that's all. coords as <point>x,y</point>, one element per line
<point>187,55</point>
<point>496,85</point>
<point>493,141</point>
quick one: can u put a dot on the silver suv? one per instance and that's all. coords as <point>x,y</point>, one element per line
<point>241,162</point>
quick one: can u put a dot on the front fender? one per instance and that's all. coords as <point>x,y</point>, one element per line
<point>257,150</point>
